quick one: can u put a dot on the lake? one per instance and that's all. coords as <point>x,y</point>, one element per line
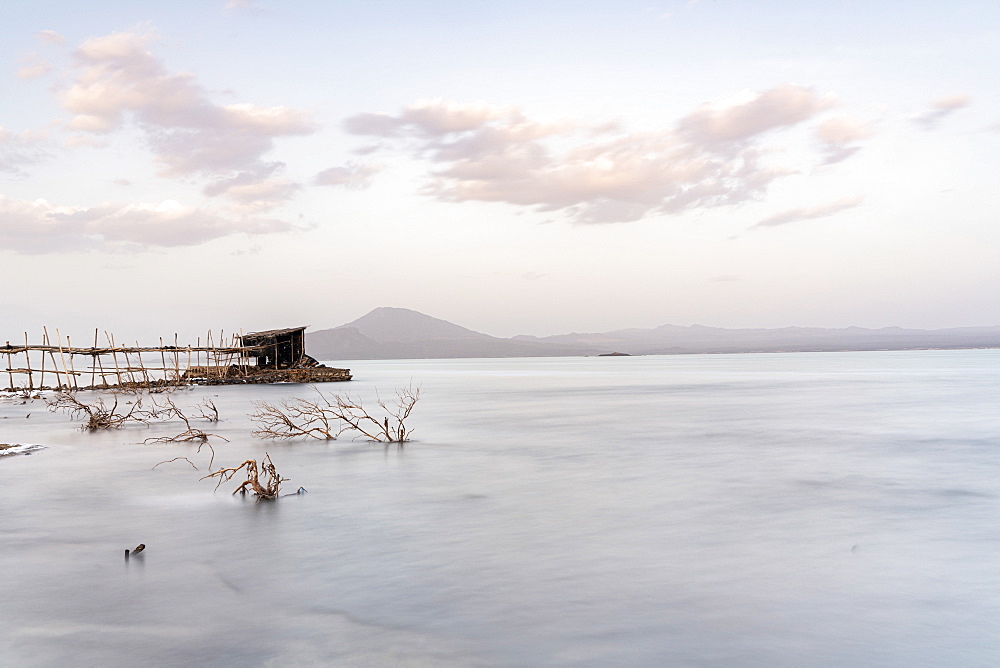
<point>753,510</point>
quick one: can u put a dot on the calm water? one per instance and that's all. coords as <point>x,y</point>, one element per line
<point>786,509</point>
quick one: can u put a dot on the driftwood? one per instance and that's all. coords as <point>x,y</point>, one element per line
<point>272,481</point>
<point>329,416</point>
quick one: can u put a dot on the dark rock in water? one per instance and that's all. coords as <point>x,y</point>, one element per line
<point>614,355</point>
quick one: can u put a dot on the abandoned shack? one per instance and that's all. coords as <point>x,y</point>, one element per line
<point>278,348</point>
<point>271,356</point>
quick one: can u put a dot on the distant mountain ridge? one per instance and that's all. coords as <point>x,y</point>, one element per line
<point>399,333</point>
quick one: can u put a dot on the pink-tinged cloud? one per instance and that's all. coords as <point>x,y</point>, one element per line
<point>17,151</point>
<point>940,109</point>
<point>839,136</point>
<point>32,66</point>
<point>118,80</point>
<point>809,213</point>
<point>50,37</point>
<point>353,175</point>
<point>779,107</point>
<point>41,227</point>
<point>595,174</point>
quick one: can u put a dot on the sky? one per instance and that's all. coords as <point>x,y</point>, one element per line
<point>513,167</point>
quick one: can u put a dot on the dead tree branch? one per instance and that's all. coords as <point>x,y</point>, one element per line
<point>191,434</point>
<point>328,417</point>
<point>268,490</point>
<point>296,417</point>
<point>98,415</point>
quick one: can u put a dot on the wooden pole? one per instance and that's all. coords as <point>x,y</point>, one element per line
<point>52,356</point>
<point>41,380</point>
<point>100,364</point>
<point>114,356</point>
<point>27,363</point>
<point>72,368</point>
<point>163,359</point>
<point>93,365</point>
<point>177,358</point>
<point>10,376</point>
<point>62,357</point>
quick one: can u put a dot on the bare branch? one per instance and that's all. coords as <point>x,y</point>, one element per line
<point>268,490</point>
<point>328,417</point>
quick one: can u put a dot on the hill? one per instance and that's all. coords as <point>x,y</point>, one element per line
<point>398,333</point>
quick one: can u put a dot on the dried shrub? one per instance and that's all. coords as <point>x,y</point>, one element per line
<point>296,417</point>
<point>328,417</point>
<point>99,415</point>
<point>207,411</point>
<point>191,434</point>
<point>254,472</point>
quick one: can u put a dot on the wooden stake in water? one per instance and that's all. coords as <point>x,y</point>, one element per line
<point>114,356</point>
<point>93,362</point>
<point>27,363</point>
<point>72,369</point>
<point>41,380</point>
<point>10,374</point>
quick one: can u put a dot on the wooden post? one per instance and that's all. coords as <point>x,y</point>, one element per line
<point>52,356</point>
<point>27,363</point>
<point>10,374</point>
<point>93,362</point>
<point>41,380</point>
<point>99,359</point>
<point>114,356</point>
<point>62,358</point>
<point>177,358</point>
<point>72,368</point>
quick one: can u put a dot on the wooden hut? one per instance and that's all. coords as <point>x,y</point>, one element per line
<point>277,348</point>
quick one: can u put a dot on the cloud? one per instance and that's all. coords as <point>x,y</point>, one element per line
<point>41,227</point>
<point>940,109</point>
<point>595,174</point>
<point>239,5</point>
<point>33,66</point>
<point>837,136</point>
<point>808,213</point>
<point>352,175</point>
<point>118,79</point>
<point>18,151</point>
<point>776,108</point>
<point>50,37</point>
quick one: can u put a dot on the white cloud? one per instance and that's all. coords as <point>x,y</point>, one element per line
<point>18,151</point>
<point>32,66</point>
<point>118,78</point>
<point>941,109</point>
<point>597,174</point>
<point>838,137</point>
<point>50,37</point>
<point>809,213</point>
<point>779,107</point>
<point>352,175</point>
<point>41,227</point>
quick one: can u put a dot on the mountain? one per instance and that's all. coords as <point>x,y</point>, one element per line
<point>398,333</point>
<point>673,339</point>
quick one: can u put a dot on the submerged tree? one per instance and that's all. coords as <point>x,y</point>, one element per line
<point>98,415</point>
<point>330,416</point>
<point>268,489</point>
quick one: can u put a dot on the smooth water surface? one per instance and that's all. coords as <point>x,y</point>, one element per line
<point>772,509</point>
